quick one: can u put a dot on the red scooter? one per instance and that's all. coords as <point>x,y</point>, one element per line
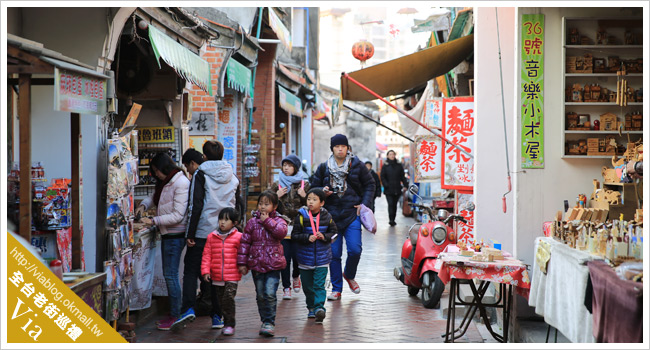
<point>422,247</point>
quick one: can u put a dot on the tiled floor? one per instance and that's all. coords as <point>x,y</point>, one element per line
<point>382,312</point>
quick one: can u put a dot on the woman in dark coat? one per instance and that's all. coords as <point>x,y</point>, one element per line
<point>392,178</point>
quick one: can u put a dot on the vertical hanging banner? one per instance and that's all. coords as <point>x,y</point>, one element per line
<point>227,126</point>
<point>427,162</point>
<point>464,231</point>
<point>532,92</point>
<point>458,127</point>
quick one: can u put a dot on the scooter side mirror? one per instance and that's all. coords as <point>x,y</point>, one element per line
<point>414,189</point>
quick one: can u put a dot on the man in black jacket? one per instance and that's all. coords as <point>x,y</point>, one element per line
<point>392,177</point>
<point>347,183</point>
<point>377,183</point>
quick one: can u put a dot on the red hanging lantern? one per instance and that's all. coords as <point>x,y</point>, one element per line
<point>363,50</point>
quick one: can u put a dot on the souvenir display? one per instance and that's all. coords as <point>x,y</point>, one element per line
<point>122,177</point>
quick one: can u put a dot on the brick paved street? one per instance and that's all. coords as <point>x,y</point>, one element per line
<point>382,312</point>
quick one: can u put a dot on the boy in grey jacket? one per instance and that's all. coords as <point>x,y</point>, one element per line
<point>213,188</point>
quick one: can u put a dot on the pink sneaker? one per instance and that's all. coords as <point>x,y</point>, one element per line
<point>166,324</point>
<point>354,286</point>
<point>228,331</point>
<point>164,320</point>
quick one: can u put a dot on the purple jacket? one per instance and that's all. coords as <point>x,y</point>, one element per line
<point>261,247</point>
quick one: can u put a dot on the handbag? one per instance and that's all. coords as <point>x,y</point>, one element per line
<point>368,219</point>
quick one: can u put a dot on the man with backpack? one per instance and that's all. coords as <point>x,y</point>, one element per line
<point>347,183</point>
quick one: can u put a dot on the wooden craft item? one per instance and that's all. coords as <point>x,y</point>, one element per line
<point>612,197</point>
<point>609,175</point>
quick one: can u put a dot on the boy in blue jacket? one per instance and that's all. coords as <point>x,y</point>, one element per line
<point>313,232</point>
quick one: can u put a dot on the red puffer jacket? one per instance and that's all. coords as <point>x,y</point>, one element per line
<point>261,247</point>
<point>220,256</point>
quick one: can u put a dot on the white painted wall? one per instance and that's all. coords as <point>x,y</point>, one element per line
<point>306,137</point>
<point>81,38</point>
<point>537,193</point>
<point>490,153</point>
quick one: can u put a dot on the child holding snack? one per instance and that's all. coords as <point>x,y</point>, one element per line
<point>261,251</point>
<point>292,192</point>
<point>219,264</point>
<point>313,231</point>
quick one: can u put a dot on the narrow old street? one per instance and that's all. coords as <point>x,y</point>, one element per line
<point>382,312</point>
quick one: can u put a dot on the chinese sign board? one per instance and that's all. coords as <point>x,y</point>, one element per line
<point>428,161</point>
<point>458,127</point>
<point>465,231</point>
<point>289,102</point>
<point>163,134</point>
<point>78,93</point>
<point>228,115</point>
<point>202,123</point>
<point>433,113</point>
<point>532,91</point>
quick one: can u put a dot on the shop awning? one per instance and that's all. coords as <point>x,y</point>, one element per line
<point>239,76</point>
<point>321,109</point>
<point>188,65</point>
<point>278,27</point>
<point>289,102</point>
<point>398,75</point>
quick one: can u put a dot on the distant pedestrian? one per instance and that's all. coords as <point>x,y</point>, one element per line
<point>292,193</point>
<point>213,188</point>
<point>261,252</point>
<point>392,178</point>
<point>170,199</point>
<point>377,184</point>
<point>347,183</point>
<point>313,231</point>
<point>219,265</point>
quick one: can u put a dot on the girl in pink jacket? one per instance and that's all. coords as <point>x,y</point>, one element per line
<point>219,264</point>
<point>261,251</point>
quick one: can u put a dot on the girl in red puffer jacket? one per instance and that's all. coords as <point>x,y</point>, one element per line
<point>261,251</point>
<point>219,264</point>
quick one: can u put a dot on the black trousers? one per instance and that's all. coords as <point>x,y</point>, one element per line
<point>289,248</point>
<point>392,200</point>
<point>223,302</point>
<point>191,273</point>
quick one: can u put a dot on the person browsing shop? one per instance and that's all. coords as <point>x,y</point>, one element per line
<point>170,199</point>
<point>213,188</point>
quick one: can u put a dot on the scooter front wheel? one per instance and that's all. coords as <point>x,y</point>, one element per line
<point>413,291</point>
<point>432,291</point>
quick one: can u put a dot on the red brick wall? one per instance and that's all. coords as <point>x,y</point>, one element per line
<point>202,102</point>
<point>265,95</point>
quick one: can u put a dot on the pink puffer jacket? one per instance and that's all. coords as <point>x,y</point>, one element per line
<point>261,247</point>
<point>220,257</point>
<point>172,206</point>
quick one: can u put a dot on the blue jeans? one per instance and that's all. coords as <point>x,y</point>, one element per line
<point>171,258</point>
<point>352,235</point>
<point>266,287</point>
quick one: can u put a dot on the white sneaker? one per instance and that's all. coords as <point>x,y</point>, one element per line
<point>287,294</point>
<point>334,296</point>
<point>296,284</point>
